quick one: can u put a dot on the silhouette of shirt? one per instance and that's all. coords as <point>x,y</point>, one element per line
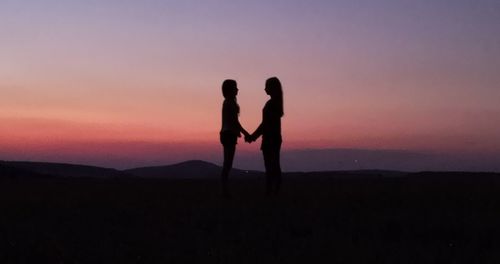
<point>230,123</point>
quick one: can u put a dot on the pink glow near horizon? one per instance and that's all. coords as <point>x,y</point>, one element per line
<point>367,76</point>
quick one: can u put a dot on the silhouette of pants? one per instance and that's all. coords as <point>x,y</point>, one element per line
<point>228,141</point>
<point>273,168</point>
<point>229,151</point>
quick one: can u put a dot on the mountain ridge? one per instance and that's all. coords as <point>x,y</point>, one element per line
<point>62,169</point>
<point>190,169</point>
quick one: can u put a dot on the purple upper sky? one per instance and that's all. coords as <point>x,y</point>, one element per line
<point>133,75</point>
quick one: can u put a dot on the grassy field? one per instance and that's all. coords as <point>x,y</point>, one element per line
<point>427,218</point>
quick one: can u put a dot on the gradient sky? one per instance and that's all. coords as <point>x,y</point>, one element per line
<point>138,81</point>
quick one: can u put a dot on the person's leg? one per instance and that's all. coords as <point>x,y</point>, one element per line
<point>268,165</point>
<point>276,170</point>
<point>273,169</point>
<point>229,150</point>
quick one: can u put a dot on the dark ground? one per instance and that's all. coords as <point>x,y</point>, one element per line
<point>427,218</point>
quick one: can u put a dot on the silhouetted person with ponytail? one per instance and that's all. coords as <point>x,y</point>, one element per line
<point>231,130</point>
<point>270,130</point>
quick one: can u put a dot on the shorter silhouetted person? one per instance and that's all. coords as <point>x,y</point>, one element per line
<point>270,130</point>
<point>231,130</point>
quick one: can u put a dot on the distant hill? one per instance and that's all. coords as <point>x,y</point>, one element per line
<point>383,159</point>
<point>193,169</point>
<point>356,160</point>
<point>38,169</point>
<point>9,172</point>
<point>198,169</point>
<point>348,174</point>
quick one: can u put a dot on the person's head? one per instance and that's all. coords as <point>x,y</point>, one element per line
<point>229,89</point>
<point>273,89</point>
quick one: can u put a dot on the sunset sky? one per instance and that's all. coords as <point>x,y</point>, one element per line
<point>123,83</point>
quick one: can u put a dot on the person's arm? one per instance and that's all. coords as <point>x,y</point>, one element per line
<point>245,133</point>
<point>232,114</point>
<point>242,130</point>
<point>256,134</point>
<point>238,124</point>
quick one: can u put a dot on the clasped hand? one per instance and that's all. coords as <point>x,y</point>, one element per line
<point>249,138</point>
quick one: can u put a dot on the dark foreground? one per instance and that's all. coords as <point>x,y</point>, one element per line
<point>442,218</point>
